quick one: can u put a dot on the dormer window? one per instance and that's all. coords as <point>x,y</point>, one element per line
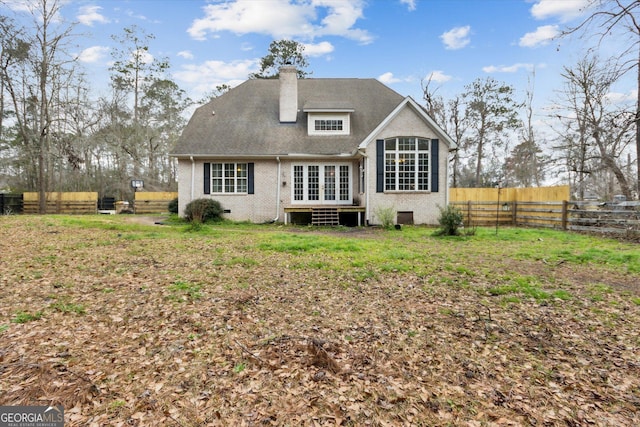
<point>328,119</point>
<point>328,125</point>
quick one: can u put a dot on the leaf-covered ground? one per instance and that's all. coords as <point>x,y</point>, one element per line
<point>127,324</point>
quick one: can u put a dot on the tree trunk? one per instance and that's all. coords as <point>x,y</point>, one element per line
<point>480,156</point>
<point>638,128</point>
<point>42,140</point>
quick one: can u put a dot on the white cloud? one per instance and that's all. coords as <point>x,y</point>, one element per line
<point>456,38</point>
<point>89,14</point>
<point>17,5</point>
<point>540,37</point>
<point>205,77</point>
<point>508,68</point>
<point>411,4</point>
<point>186,54</point>
<point>282,19</point>
<point>130,13</point>
<point>621,98</point>
<point>388,78</point>
<point>438,77</point>
<point>318,49</point>
<point>564,10</point>
<point>93,54</point>
<point>145,57</point>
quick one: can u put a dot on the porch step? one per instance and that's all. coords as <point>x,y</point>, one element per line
<point>325,216</point>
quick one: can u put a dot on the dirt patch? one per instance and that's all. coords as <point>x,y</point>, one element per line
<point>145,220</point>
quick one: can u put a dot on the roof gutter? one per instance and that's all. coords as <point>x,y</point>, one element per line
<point>264,156</point>
<point>224,156</point>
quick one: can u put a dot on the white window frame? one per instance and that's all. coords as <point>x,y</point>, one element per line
<point>343,176</point>
<point>236,183</point>
<point>402,165</point>
<point>343,117</point>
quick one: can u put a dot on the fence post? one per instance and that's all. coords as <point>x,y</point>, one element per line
<point>468,213</point>
<point>565,212</point>
<point>514,214</point>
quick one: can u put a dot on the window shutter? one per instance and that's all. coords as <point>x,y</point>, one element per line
<point>380,165</point>
<point>435,145</point>
<point>250,188</point>
<point>207,178</point>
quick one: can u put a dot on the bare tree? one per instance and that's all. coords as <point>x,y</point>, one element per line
<point>618,18</point>
<point>35,65</point>
<point>526,162</point>
<point>597,133</point>
<point>450,116</point>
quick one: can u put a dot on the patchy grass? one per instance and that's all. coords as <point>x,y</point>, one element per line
<point>67,307</point>
<point>24,317</point>
<point>243,324</point>
<point>183,291</point>
<point>528,287</point>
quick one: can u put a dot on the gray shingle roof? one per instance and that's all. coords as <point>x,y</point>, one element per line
<point>246,120</point>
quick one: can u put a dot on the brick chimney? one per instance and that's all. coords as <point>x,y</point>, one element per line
<point>288,94</point>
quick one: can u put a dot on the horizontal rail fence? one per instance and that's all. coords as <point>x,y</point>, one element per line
<point>10,203</point>
<point>153,202</point>
<point>604,218</point>
<point>529,207</point>
<point>575,216</point>
<point>62,203</point>
<point>527,214</point>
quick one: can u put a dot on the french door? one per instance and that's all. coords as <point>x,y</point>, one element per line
<point>323,184</point>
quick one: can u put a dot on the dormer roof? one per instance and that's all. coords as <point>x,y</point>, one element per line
<point>315,106</point>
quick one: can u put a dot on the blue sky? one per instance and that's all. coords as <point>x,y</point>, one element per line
<point>399,42</point>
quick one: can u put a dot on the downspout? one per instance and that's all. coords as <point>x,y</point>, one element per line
<point>365,165</point>
<point>446,186</point>
<point>193,176</point>
<point>278,185</point>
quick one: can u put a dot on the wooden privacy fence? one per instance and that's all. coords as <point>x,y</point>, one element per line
<point>62,203</point>
<point>538,207</point>
<point>531,194</point>
<point>153,202</point>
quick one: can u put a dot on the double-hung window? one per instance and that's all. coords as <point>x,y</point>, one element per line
<point>406,164</point>
<point>229,177</point>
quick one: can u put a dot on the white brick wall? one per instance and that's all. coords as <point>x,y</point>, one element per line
<point>258,207</point>
<point>424,205</point>
<point>263,206</point>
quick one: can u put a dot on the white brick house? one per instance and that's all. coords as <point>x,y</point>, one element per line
<point>328,149</point>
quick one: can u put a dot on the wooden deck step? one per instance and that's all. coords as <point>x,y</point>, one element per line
<point>325,216</point>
